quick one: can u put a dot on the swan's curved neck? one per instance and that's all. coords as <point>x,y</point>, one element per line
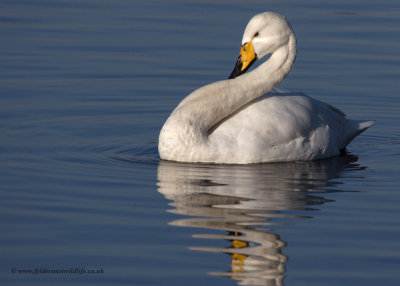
<point>207,106</point>
<point>273,71</point>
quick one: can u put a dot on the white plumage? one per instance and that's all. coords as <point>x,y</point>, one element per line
<point>240,121</point>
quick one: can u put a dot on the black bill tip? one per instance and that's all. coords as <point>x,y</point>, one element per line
<point>237,70</point>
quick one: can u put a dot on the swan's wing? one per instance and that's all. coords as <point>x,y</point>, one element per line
<point>284,126</point>
<point>273,120</point>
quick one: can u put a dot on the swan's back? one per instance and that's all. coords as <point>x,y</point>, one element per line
<point>283,127</point>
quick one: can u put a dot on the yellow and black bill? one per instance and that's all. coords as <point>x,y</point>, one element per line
<point>247,57</point>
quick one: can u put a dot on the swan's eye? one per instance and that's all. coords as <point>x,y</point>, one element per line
<point>256,34</point>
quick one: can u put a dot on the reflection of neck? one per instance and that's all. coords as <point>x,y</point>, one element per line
<point>255,255</point>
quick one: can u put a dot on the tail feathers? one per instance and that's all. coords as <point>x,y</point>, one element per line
<point>354,128</point>
<point>364,125</point>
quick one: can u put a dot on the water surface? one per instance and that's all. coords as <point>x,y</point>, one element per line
<point>85,87</point>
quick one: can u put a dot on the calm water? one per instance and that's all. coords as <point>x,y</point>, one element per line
<point>85,87</point>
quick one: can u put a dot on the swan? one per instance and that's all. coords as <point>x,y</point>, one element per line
<point>241,120</point>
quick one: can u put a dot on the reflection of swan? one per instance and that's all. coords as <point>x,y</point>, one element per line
<point>243,201</point>
<point>235,121</point>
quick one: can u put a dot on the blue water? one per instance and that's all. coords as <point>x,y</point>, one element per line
<point>85,87</point>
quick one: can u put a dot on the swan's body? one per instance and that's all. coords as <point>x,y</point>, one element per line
<point>236,121</point>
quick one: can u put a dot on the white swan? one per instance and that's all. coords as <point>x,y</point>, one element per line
<point>234,121</point>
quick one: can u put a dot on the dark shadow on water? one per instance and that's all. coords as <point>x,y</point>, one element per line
<point>243,205</point>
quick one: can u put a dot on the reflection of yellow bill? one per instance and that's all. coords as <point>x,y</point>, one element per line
<point>247,54</point>
<point>239,243</point>
<point>238,262</point>
<point>237,258</point>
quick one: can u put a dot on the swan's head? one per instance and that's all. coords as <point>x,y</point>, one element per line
<point>264,34</point>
